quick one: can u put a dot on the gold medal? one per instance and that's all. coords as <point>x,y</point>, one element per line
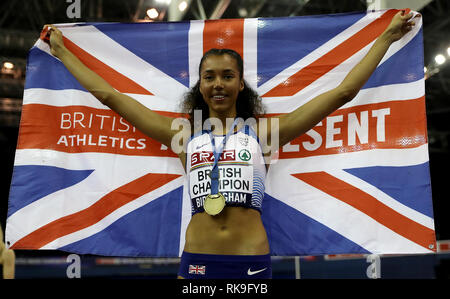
<point>214,204</point>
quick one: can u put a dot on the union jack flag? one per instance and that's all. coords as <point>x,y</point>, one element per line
<point>195,269</point>
<point>86,181</point>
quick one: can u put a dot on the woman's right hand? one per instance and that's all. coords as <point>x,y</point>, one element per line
<point>55,40</point>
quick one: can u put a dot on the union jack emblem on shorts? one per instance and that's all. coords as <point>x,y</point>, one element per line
<point>195,269</point>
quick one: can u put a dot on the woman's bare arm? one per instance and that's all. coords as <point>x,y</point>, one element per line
<point>304,118</point>
<point>154,125</point>
<point>9,264</point>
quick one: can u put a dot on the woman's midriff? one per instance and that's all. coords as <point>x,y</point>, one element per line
<point>235,231</point>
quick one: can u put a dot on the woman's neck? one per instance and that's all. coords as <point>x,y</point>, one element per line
<point>226,121</point>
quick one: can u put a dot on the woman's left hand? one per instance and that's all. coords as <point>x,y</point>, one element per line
<point>401,24</point>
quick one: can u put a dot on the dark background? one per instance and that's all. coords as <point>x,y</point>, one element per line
<point>21,22</point>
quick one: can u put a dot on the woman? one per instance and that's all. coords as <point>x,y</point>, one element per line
<point>230,241</point>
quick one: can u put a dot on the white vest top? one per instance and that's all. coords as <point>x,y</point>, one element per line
<point>242,171</point>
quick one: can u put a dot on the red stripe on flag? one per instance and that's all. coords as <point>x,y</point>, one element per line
<point>95,213</point>
<point>222,34</point>
<point>327,62</point>
<point>115,79</point>
<point>80,129</point>
<point>370,206</point>
<point>385,125</point>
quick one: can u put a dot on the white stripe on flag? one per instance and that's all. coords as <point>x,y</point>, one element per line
<point>383,198</point>
<point>312,202</point>
<point>380,94</point>
<point>185,214</point>
<point>87,192</point>
<point>195,49</point>
<point>61,98</point>
<point>114,216</point>
<point>105,49</point>
<point>334,77</point>
<point>251,52</point>
<point>316,54</point>
<point>387,93</point>
<point>365,158</point>
<point>75,97</point>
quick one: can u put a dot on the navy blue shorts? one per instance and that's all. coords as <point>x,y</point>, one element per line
<point>218,266</point>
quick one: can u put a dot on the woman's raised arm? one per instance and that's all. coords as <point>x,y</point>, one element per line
<point>154,125</point>
<point>304,118</point>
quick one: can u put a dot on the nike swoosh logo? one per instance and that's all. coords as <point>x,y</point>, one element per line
<point>250,272</point>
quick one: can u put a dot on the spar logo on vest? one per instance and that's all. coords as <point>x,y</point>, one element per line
<point>208,157</point>
<point>244,155</point>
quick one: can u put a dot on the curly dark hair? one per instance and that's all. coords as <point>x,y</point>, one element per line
<point>248,103</point>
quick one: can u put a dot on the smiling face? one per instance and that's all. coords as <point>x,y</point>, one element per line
<point>220,84</point>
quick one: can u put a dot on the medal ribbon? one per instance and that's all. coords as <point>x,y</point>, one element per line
<point>215,170</point>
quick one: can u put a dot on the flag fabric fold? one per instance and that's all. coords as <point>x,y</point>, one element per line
<point>86,181</point>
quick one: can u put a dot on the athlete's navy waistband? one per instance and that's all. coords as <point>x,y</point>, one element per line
<point>218,266</point>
